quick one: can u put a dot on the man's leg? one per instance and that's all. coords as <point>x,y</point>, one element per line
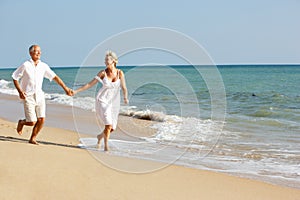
<point>30,115</point>
<point>21,123</point>
<point>36,129</point>
<point>40,111</point>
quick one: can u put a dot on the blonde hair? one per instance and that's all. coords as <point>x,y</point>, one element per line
<point>113,55</point>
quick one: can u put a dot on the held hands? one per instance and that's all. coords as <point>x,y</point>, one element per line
<point>69,92</point>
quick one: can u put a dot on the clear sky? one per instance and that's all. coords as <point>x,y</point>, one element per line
<point>231,31</point>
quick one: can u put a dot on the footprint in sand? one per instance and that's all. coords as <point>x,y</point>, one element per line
<point>4,126</point>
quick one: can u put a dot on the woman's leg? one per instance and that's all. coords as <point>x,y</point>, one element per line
<point>106,132</point>
<point>99,137</point>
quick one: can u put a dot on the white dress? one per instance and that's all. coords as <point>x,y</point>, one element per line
<point>108,101</point>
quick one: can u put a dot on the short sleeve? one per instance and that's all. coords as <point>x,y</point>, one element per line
<point>18,73</point>
<point>49,74</point>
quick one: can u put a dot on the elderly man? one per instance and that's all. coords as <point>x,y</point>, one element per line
<point>32,74</point>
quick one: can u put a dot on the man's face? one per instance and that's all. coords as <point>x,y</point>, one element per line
<point>36,53</point>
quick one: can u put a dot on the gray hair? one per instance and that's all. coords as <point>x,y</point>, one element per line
<point>32,47</point>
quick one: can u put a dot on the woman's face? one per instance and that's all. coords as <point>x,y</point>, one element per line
<point>109,60</point>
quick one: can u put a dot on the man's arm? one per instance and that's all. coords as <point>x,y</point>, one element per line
<point>22,94</point>
<point>17,74</point>
<point>62,84</point>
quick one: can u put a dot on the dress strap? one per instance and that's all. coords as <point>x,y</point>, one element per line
<point>118,74</point>
<point>98,79</point>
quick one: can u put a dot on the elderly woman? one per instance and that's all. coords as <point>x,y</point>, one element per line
<point>108,97</point>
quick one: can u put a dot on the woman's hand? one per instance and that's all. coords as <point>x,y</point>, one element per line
<point>126,101</point>
<point>75,92</point>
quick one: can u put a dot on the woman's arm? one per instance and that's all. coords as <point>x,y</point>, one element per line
<point>86,86</point>
<point>90,84</point>
<point>123,86</point>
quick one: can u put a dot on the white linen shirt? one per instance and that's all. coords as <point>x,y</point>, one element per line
<point>32,76</point>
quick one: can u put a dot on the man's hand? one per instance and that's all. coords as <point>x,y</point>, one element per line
<point>22,95</point>
<point>69,92</point>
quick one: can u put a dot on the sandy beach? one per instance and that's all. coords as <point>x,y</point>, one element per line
<point>58,169</point>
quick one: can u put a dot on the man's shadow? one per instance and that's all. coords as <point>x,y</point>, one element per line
<point>20,140</point>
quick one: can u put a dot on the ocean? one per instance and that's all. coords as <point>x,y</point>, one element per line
<point>238,119</point>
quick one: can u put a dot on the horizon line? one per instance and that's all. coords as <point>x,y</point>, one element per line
<point>130,65</point>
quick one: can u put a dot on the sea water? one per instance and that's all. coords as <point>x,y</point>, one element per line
<point>252,129</point>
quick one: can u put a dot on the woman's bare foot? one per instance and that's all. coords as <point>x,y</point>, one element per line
<point>20,127</point>
<point>99,137</point>
<point>98,146</point>
<point>106,149</point>
<point>33,142</point>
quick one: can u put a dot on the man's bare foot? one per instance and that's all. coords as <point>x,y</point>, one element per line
<point>106,149</point>
<point>20,127</point>
<point>33,142</point>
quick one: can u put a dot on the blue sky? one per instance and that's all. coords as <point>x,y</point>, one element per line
<point>231,31</point>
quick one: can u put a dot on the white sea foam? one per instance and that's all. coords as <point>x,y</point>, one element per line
<point>5,89</point>
<point>266,169</point>
<point>86,103</point>
<point>143,114</point>
<point>4,84</point>
<point>187,130</point>
<point>59,99</point>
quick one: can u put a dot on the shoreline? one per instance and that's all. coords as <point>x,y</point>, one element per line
<point>31,171</point>
<point>75,119</point>
<point>62,117</point>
